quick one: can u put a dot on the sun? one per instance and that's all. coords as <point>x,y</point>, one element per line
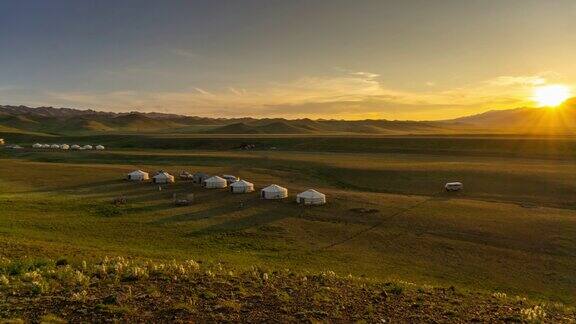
<point>551,95</point>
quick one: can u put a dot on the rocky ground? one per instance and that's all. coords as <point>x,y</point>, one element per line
<point>147,291</point>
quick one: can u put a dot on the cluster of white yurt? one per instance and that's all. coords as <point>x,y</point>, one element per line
<point>274,191</point>
<point>311,197</point>
<point>237,185</point>
<point>163,177</point>
<point>241,186</point>
<point>67,147</point>
<point>215,182</point>
<point>138,175</point>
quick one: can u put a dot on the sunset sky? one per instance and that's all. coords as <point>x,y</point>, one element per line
<point>410,59</point>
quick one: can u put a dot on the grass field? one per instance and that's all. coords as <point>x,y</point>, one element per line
<point>513,230</point>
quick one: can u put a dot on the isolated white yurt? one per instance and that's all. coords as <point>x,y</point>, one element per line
<point>454,186</point>
<point>230,178</point>
<point>75,147</point>
<point>214,182</point>
<point>274,192</point>
<point>138,175</point>
<point>163,177</point>
<point>242,186</point>
<point>311,197</point>
<point>37,145</point>
<point>55,146</point>
<point>65,147</point>
<point>87,147</point>
<point>100,147</point>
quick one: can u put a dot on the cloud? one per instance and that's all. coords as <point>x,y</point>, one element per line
<point>184,53</point>
<point>202,91</point>
<point>530,80</point>
<point>348,94</point>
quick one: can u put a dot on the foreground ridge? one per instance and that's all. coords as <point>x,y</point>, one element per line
<point>145,290</point>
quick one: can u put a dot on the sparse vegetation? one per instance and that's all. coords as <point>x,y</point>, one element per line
<point>188,291</point>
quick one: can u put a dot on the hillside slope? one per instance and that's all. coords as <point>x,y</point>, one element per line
<point>151,291</point>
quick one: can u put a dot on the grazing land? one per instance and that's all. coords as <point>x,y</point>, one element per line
<point>512,231</point>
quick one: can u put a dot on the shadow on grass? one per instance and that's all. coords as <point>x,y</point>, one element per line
<point>239,224</point>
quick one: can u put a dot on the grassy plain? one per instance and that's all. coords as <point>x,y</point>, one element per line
<point>513,230</point>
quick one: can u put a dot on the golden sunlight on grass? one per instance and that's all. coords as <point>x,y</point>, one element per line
<point>551,95</point>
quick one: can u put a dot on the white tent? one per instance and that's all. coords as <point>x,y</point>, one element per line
<point>138,175</point>
<point>87,147</point>
<point>55,146</point>
<point>163,177</point>
<point>37,145</point>
<point>215,182</point>
<point>454,186</point>
<point>45,145</point>
<point>75,147</point>
<point>100,147</point>
<point>274,192</point>
<point>242,186</point>
<point>311,197</point>
<point>65,146</point>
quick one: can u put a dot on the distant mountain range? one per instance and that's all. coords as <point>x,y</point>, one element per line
<point>66,121</point>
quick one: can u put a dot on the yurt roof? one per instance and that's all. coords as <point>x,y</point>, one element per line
<point>311,193</point>
<point>215,179</point>
<point>163,174</point>
<point>274,188</point>
<point>456,183</point>
<point>138,171</point>
<point>242,183</point>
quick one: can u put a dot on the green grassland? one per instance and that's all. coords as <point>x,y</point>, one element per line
<point>512,230</point>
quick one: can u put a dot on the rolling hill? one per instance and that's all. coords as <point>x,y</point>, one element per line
<point>67,121</point>
<point>527,120</point>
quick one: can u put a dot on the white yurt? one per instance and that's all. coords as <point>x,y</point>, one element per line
<point>214,182</point>
<point>100,147</point>
<point>230,178</point>
<point>242,186</point>
<point>45,145</point>
<point>75,147</point>
<point>163,177</point>
<point>55,146</point>
<point>274,192</point>
<point>138,175</point>
<point>311,197</point>
<point>37,145</point>
<point>87,147</point>
<point>65,146</point>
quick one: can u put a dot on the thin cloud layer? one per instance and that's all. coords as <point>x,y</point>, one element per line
<point>348,95</point>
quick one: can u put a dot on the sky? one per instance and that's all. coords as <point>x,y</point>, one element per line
<point>380,59</point>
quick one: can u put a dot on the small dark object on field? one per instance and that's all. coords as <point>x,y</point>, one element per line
<point>120,201</point>
<point>186,201</point>
<point>363,210</point>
